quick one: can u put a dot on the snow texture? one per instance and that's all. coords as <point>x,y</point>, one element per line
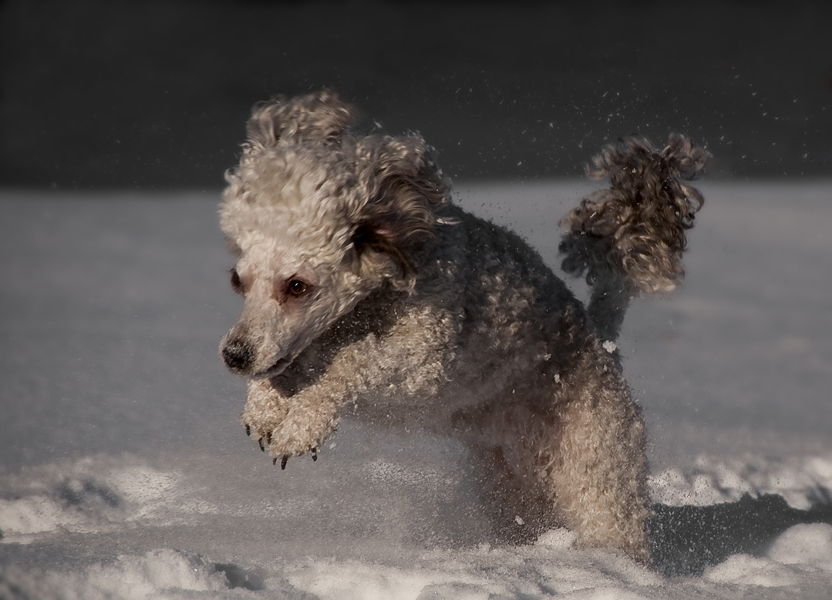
<point>125,472</point>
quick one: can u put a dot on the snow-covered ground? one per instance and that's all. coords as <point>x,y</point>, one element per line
<point>125,473</point>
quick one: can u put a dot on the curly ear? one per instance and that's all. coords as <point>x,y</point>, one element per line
<point>317,118</point>
<point>402,188</point>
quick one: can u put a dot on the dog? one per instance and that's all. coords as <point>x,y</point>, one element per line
<point>367,289</point>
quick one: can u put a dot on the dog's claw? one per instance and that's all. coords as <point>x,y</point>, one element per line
<point>283,462</point>
<point>248,429</point>
<point>269,438</point>
<point>262,448</point>
<point>314,454</point>
<point>274,460</point>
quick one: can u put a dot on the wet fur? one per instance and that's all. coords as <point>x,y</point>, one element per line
<point>417,314</point>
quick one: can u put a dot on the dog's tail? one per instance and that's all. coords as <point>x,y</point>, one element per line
<point>628,239</point>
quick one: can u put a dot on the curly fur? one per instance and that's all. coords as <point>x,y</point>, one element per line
<point>366,287</point>
<point>629,239</point>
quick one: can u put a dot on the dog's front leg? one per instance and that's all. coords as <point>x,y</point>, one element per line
<point>310,418</point>
<point>265,409</point>
<point>291,426</point>
<point>288,426</point>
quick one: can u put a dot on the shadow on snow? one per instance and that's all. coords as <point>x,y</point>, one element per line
<point>686,539</point>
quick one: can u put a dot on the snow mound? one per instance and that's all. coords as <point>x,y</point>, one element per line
<point>711,480</point>
<point>87,496</point>
<point>158,574</point>
<point>809,545</point>
<point>801,556</point>
<point>481,573</point>
<point>749,570</point>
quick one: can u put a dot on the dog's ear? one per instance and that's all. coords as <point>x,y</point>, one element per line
<point>402,188</point>
<point>317,118</point>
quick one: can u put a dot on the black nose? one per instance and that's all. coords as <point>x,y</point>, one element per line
<point>237,355</point>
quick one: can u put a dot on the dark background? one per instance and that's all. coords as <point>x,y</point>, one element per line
<point>147,95</point>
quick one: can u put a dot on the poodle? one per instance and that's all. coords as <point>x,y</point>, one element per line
<point>366,289</point>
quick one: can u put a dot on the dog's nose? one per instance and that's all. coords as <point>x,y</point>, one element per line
<point>237,355</point>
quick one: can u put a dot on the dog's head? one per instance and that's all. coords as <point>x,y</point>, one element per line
<point>318,219</point>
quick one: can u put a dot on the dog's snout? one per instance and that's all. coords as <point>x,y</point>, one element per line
<point>237,355</point>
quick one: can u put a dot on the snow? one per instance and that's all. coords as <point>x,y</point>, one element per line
<point>806,545</point>
<point>126,474</point>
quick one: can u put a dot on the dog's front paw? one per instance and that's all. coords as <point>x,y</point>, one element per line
<point>302,431</point>
<point>265,410</point>
<point>285,458</point>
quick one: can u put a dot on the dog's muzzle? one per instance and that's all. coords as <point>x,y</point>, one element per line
<point>238,356</point>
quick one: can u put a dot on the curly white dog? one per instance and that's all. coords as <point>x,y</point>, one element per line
<point>365,286</point>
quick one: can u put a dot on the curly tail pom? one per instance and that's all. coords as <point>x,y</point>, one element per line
<point>634,232</point>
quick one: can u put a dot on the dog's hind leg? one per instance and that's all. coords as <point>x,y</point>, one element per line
<point>505,455</point>
<point>596,472</point>
<point>515,505</point>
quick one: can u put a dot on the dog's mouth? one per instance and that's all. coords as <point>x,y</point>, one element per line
<point>276,369</point>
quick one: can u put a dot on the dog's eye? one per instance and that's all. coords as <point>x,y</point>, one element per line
<point>297,287</point>
<point>237,283</point>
